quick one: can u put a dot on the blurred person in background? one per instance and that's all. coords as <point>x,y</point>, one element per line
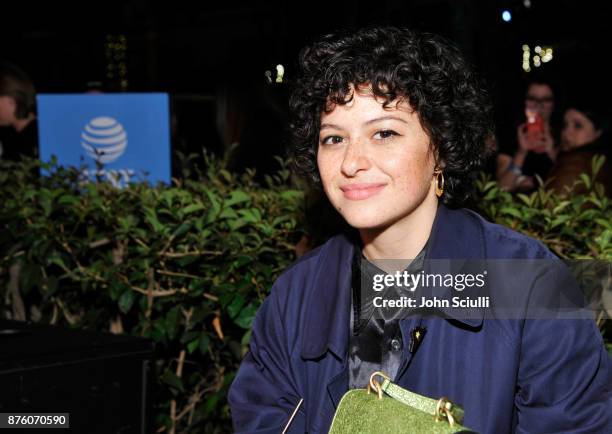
<point>584,135</point>
<point>18,126</point>
<point>536,138</point>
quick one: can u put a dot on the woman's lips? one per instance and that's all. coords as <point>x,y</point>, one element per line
<point>361,191</point>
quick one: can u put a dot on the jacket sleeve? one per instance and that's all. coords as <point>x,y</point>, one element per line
<point>565,376</point>
<point>264,393</point>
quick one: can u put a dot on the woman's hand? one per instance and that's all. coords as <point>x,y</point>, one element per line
<point>538,142</point>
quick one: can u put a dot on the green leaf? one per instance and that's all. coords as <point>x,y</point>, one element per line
<point>183,228</point>
<point>246,316</point>
<point>126,300</point>
<point>173,381</point>
<point>528,200</point>
<point>193,345</point>
<point>596,163</point>
<point>246,338</point>
<point>226,175</point>
<point>172,322</point>
<point>167,197</point>
<point>51,284</point>
<point>560,220</point>
<point>186,260</point>
<point>511,211</point>
<point>242,260</point>
<point>234,307</point>
<point>211,404</point>
<point>237,196</point>
<point>228,213</point>
<point>492,194</point>
<point>55,259</point>
<point>225,296</point>
<point>595,201</point>
<point>252,215</point>
<point>214,201</point>
<point>291,194</point>
<point>237,224</point>
<point>203,343</point>
<point>189,336</point>
<point>586,180</point>
<point>151,217</point>
<point>604,222</point>
<point>561,206</point>
<point>281,219</point>
<point>189,209</point>
<point>68,199</point>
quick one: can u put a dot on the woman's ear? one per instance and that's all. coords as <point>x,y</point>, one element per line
<point>597,134</point>
<point>433,152</point>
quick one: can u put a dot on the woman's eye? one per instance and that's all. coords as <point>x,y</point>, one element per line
<point>577,125</point>
<point>331,140</point>
<point>385,134</point>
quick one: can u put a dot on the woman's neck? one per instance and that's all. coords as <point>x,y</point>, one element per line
<point>405,238</point>
<point>20,124</point>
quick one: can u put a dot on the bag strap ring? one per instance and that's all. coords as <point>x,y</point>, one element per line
<point>443,410</point>
<point>375,385</point>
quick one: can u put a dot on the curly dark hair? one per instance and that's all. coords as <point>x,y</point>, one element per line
<point>398,64</point>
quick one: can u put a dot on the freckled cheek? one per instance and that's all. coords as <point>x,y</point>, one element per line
<point>408,172</point>
<point>328,169</point>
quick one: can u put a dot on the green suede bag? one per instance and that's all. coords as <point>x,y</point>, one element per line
<point>392,409</point>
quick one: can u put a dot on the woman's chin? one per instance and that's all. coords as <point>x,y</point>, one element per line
<point>366,222</point>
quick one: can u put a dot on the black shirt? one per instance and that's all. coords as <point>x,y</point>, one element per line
<point>375,341</point>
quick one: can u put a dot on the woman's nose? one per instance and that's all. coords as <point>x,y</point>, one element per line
<point>355,159</point>
<point>566,135</point>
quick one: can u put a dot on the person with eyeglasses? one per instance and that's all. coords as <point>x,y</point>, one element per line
<point>536,149</point>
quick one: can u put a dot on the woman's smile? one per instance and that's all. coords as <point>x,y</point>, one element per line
<point>361,191</point>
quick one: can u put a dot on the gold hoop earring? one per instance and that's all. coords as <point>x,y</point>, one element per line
<point>439,183</point>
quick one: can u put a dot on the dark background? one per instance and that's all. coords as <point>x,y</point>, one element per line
<point>211,56</point>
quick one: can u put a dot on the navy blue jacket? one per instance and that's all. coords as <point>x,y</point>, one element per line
<point>524,376</point>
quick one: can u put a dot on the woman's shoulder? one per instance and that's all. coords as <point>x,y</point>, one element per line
<point>321,264</point>
<point>502,242</point>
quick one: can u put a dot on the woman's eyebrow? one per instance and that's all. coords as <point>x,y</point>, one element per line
<point>371,121</point>
<point>332,126</point>
<point>385,118</point>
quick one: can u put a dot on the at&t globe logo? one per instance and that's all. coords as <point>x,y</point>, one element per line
<point>104,139</point>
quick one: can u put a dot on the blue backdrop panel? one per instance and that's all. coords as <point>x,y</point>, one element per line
<point>123,132</point>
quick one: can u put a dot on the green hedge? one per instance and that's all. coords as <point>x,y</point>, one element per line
<point>188,265</point>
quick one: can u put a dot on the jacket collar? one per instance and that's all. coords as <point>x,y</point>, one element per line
<point>455,235</point>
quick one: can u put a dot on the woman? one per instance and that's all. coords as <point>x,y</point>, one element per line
<point>392,123</point>
<point>18,126</point>
<point>536,148</point>
<point>583,137</point>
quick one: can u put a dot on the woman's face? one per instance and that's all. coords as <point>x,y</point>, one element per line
<point>540,98</point>
<point>7,110</point>
<point>578,130</point>
<point>376,164</point>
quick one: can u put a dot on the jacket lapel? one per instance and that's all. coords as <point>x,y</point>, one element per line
<point>456,238</point>
<point>328,315</point>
